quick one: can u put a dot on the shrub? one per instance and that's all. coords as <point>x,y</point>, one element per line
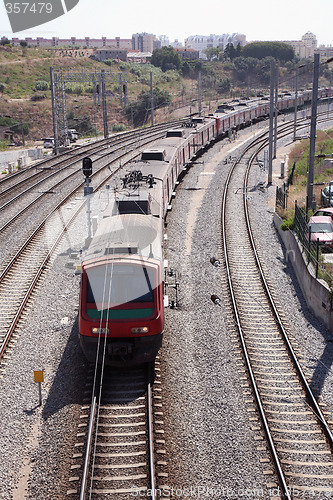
<point>42,85</point>
<point>288,224</point>
<point>118,127</point>
<point>37,97</point>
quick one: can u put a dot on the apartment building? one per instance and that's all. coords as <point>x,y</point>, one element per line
<point>203,42</point>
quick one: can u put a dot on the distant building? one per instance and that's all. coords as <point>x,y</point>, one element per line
<point>306,47</point>
<point>110,53</point>
<point>144,42</point>
<point>164,40</point>
<point>201,43</point>
<point>139,57</point>
<point>325,51</point>
<point>120,43</point>
<point>176,44</point>
<point>188,54</point>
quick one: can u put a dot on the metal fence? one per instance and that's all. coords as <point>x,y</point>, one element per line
<point>281,198</point>
<point>282,192</point>
<point>312,249</point>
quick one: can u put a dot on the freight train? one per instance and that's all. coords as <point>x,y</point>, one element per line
<point>121,312</point>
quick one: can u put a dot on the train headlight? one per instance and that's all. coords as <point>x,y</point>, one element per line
<point>100,331</point>
<point>140,329</point>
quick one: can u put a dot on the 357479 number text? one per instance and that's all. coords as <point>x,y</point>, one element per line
<point>25,7</point>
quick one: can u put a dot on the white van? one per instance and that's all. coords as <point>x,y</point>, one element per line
<point>72,135</point>
<point>49,142</point>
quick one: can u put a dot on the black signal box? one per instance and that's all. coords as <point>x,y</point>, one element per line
<point>87,166</point>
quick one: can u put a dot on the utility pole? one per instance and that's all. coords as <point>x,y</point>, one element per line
<point>105,116</point>
<point>54,117</point>
<point>309,190</point>
<point>276,108</point>
<point>121,90</point>
<point>199,88</point>
<point>271,117</point>
<point>296,97</point>
<point>152,98</point>
<point>125,89</point>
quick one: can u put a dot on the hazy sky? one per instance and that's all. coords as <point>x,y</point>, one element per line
<point>257,19</point>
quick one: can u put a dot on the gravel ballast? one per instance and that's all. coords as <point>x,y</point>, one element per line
<point>211,434</point>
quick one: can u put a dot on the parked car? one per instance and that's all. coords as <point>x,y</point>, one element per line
<point>328,212</point>
<point>327,196</point>
<point>321,228</point>
<point>49,142</point>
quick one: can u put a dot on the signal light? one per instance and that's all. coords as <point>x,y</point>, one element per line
<point>87,166</point>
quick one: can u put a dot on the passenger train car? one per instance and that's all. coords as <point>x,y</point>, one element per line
<point>121,313</point>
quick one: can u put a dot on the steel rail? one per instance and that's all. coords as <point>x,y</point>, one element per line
<point>150,436</point>
<point>72,174</point>
<point>78,150</point>
<point>274,454</point>
<point>310,396</point>
<point>41,268</point>
<point>93,423</point>
<point>88,450</point>
<point>93,150</point>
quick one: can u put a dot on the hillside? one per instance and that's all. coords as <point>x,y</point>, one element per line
<point>24,73</point>
<point>20,71</point>
<point>25,93</point>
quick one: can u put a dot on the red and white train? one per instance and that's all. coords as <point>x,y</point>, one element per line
<point>121,313</point>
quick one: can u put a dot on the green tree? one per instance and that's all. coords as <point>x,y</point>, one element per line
<point>186,69</point>
<point>212,53</point>
<point>166,58</point>
<point>223,86</point>
<point>244,67</point>
<point>140,110</point>
<point>279,50</point>
<point>230,52</point>
<point>83,124</point>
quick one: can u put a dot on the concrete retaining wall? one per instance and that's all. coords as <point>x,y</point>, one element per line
<point>20,157</point>
<point>316,292</point>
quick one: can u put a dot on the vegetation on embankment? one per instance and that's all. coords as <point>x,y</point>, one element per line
<point>300,156</point>
<point>26,98</point>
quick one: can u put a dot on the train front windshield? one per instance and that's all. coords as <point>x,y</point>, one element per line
<point>119,291</point>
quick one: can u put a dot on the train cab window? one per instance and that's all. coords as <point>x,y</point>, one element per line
<point>120,291</point>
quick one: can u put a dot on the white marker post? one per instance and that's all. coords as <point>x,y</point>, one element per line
<point>39,377</point>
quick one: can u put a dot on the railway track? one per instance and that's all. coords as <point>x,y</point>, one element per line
<point>298,436</point>
<point>20,180</point>
<point>64,175</point>
<point>27,261</point>
<point>119,454</point>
